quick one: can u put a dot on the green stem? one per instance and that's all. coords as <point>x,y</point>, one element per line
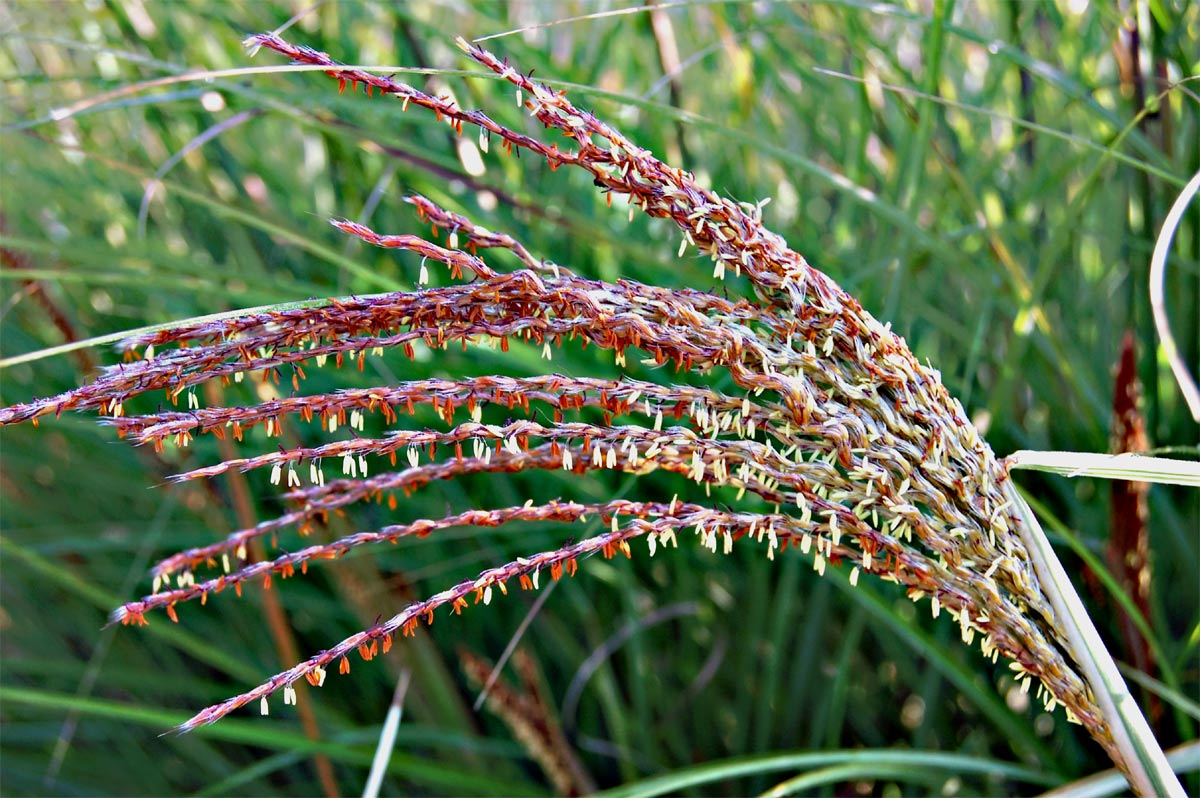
<point>1144,761</point>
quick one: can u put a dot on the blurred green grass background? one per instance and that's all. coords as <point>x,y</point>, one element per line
<point>998,207</point>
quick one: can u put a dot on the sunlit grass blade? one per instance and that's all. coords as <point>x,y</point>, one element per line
<point>1130,467</point>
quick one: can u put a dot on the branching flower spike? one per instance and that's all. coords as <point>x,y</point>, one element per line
<point>870,465</point>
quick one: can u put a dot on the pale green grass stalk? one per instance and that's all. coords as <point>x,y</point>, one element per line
<point>1148,770</point>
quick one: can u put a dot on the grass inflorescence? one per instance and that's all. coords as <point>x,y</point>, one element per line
<point>879,468</point>
<point>806,428</point>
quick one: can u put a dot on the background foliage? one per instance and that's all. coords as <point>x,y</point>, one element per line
<point>1013,255</point>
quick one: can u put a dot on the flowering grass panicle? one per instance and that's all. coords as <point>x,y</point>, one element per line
<point>848,449</point>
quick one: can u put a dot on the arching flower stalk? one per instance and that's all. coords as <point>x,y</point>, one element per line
<point>868,462</point>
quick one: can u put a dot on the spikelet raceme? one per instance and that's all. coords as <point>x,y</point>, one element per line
<point>867,460</point>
